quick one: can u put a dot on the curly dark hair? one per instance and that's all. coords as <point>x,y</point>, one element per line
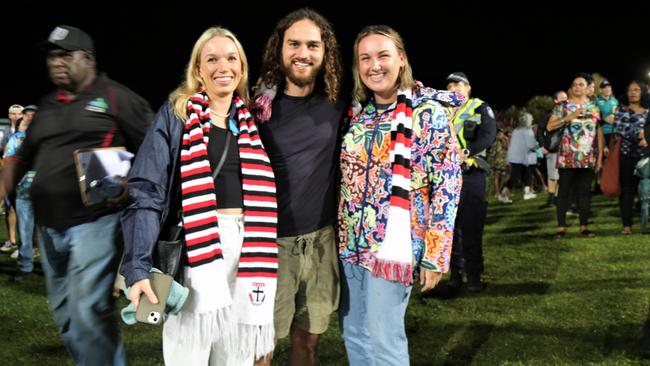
<point>330,74</point>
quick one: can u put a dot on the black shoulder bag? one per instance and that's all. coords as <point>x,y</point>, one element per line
<point>552,139</point>
<point>168,255</point>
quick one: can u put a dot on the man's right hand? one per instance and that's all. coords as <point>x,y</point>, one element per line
<point>138,288</point>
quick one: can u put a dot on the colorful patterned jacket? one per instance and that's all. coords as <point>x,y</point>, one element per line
<point>436,180</point>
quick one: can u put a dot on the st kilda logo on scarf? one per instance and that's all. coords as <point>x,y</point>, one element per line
<point>257,294</point>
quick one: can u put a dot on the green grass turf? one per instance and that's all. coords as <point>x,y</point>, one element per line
<point>573,301</point>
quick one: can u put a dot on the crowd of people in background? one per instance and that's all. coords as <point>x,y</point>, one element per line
<point>589,125</point>
<point>317,201</point>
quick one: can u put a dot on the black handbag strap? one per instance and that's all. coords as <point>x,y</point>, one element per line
<point>223,156</point>
<point>176,230</point>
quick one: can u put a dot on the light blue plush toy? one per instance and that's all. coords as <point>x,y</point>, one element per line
<point>177,296</point>
<point>643,172</point>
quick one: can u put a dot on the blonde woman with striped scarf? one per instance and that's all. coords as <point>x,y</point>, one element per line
<point>229,222</point>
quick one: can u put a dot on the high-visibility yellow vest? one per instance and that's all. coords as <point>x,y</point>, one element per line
<point>469,111</point>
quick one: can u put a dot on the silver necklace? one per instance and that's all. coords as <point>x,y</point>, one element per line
<point>226,115</point>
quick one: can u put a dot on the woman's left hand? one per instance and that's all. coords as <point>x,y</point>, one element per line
<point>429,279</point>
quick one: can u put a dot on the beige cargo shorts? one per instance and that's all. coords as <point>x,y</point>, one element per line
<point>308,282</point>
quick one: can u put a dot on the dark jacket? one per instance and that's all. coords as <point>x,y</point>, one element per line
<point>154,176</point>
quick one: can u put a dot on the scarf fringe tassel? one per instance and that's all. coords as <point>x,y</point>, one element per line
<point>393,271</point>
<point>255,339</point>
<point>218,327</point>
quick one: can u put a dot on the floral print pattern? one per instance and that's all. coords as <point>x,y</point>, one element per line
<point>629,125</point>
<point>579,138</point>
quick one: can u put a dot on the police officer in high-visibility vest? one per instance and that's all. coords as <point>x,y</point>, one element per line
<point>475,127</point>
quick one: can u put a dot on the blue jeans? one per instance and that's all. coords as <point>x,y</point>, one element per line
<point>25,216</point>
<point>372,318</point>
<point>80,264</point>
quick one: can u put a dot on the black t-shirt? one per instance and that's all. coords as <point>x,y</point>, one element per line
<point>105,114</point>
<point>228,183</point>
<point>301,139</point>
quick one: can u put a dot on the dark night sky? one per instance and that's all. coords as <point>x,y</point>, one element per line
<point>509,52</point>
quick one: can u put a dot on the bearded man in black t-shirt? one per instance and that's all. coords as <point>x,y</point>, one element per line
<point>300,117</point>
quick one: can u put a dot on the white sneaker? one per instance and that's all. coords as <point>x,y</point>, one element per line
<point>529,195</point>
<point>8,247</point>
<point>504,199</point>
<point>14,255</point>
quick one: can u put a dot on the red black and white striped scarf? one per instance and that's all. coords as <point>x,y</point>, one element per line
<point>394,258</point>
<point>253,298</point>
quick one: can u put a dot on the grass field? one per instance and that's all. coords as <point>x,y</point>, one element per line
<point>573,301</point>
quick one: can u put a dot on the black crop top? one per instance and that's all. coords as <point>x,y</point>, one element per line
<point>228,183</point>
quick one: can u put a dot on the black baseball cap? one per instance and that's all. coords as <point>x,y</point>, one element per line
<point>30,107</point>
<point>70,39</point>
<point>605,84</point>
<point>457,77</point>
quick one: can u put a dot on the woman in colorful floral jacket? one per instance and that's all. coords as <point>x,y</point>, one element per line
<point>401,181</point>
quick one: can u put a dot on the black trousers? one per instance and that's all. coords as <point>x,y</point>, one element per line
<point>520,172</point>
<point>578,180</point>
<point>467,250</point>
<point>629,188</point>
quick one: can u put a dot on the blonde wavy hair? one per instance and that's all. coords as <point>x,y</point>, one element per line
<point>193,83</point>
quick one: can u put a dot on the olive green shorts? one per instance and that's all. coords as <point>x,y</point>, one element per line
<point>308,282</point>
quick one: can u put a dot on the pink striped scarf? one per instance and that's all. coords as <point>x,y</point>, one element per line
<point>251,307</point>
<point>394,258</point>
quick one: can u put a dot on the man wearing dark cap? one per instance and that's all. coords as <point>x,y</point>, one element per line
<point>78,243</point>
<point>30,108</point>
<point>475,127</point>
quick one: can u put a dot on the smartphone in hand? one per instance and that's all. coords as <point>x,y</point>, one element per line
<point>152,313</point>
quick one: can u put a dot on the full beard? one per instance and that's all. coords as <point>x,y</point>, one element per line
<point>301,81</point>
